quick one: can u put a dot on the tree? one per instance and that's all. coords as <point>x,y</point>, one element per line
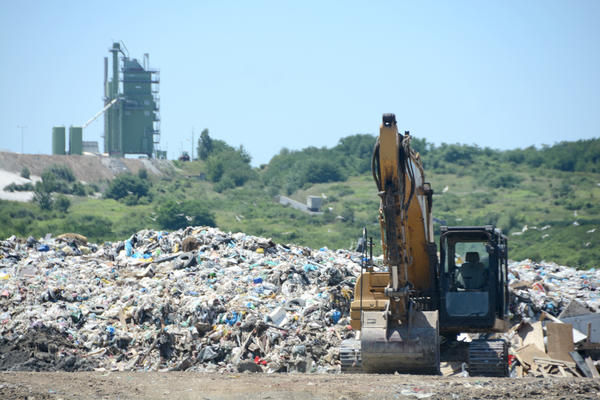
<point>78,189</point>
<point>127,186</point>
<point>25,173</point>
<point>321,171</point>
<point>244,155</point>
<point>176,215</point>
<point>62,203</point>
<point>199,213</point>
<point>229,167</point>
<point>142,173</point>
<point>205,145</point>
<point>354,152</point>
<point>42,196</point>
<point>215,167</point>
<point>458,154</point>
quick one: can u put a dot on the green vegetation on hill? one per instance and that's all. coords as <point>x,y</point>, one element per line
<point>290,171</point>
<point>547,200</point>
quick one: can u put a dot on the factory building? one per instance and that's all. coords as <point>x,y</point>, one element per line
<point>132,119</point>
<point>131,110</point>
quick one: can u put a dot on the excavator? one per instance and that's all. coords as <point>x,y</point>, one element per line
<point>404,309</point>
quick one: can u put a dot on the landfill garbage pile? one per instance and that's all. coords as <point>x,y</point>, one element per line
<point>204,300</point>
<point>549,287</point>
<point>557,320</point>
<point>195,299</point>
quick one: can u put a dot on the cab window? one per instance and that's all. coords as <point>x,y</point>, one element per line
<point>467,266</point>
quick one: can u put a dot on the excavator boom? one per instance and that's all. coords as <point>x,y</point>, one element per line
<point>401,337</point>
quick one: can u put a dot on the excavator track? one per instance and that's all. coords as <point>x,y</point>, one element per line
<point>485,357</point>
<point>488,358</point>
<point>350,357</point>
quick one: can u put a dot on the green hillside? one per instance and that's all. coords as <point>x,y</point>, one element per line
<point>547,200</point>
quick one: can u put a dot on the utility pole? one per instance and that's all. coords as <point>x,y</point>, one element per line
<point>22,127</point>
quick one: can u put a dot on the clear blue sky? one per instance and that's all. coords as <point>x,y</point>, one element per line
<point>274,74</point>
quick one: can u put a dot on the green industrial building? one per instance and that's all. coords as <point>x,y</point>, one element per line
<point>131,119</point>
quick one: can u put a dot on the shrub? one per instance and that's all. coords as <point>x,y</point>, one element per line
<point>348,214</point>
<point>25,173</point>
<point>58,178</point>
<point>500,179</point>
<point>176,215</point>
<point>215,167</point>
<point>78,189</point>
<point>127,186</point>
<point>224,184</point>
<point>94,227</point>
<point>199,213</point>
<point>62,203</point>
<point>61,172</point>
<point>42,197</point>
<point>230,165</point>
<point>92,188</point>
<point>26,187</point>
<point>321,171</point>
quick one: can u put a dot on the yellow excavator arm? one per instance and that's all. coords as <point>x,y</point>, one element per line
<point>395,334</point>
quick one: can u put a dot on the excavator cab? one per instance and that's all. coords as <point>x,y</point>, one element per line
<point>473,275</point>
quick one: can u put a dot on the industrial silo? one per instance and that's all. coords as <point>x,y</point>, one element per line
<point>75,140</point>
<point>58,140</point>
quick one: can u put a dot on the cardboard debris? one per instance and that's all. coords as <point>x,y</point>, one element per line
<point>560,340</point>
<point>547,366</point>
<point>534,335</point>
<point>528,353</point>
<point>578,336</point>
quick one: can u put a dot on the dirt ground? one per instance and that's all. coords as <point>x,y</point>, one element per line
<point>86,168</point>
<point>190,385</point>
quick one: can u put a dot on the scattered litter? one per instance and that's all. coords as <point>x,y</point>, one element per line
<point>416,392</point>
